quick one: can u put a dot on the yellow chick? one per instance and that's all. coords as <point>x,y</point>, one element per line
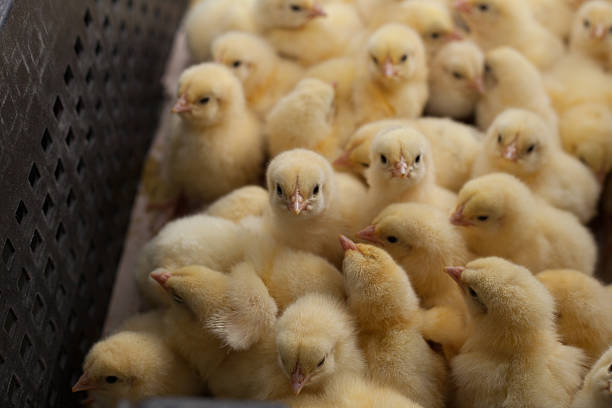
<point>310,204</point>
<point>216,143</point>
<point>305,30</point>
<point>555,15</point>
<point>519,142</point>
<point>591,33</point>
<point>500,216</point>
<point>133,366</point>
<point>402,170</point>
<point>456,80</point>
<point>586,133</point>
<point>596,392</point>
<point>583,310</point>
<point>495,23</point>
<point>193,240</point>
<point>240,203</point>
<point>392,76</point>
<point>511,81</point>
<point>211,18</point>
<point>512,357</point>
<point>265,76</point>
<point>387,311</point>
<point>304,118</point>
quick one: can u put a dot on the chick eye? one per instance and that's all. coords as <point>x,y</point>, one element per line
<point>236,64</point>
<point>482,218</point>
<point>531,148</point>
<point>111,379</point>
<point>392,239</point>
<point>610,368</point>
<point>499,138</point>
<point>583,160</point>
<point>457,75</point>
<point>366,165</point>
<point>383,159</point>
<point>435,35</point>
<point>315,190</point>
<point>417,159</point>
<point>487,68</point>
<point>178,299</point>
<point>404,58</point>
<point>374,59</point>
<point>204,100</point>
<point>586,23</point>
<point>279,190</point>
<point>320,363</point>
<point>296,8</point>
<point>472,292</point>
<point>483,7</point>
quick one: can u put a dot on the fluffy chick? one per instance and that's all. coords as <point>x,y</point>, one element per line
<point>211,18</point>
<point>310,204</point>
<point>495,23</point>
<point>240,203</point>
<point>387,311</point>
<point>500,216</point>
<point>555,15</point>
<point>304,118</point>
<point>591,35</point>
<point>512,357</point>
<point>596,392</point>
<point>216,143</point>
<point>586,133</point>
<point>511,81</point>
<point>519,142</point>
<point>306,31</point>
<point>265,76</point>
<point>456,80</point>
<point>583,310</point>
<point>402,170</point>
<point>193,240</point>
<point>392,76</point>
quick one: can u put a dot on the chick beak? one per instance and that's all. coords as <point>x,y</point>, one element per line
<point>511,152</point>
<point>84,383</point>
<point>161,277</point>
<point>298,203</point>
<point>298,380</point>
<point>182,105</point>
<point>458,219</point>
<point>455,273</point>
<point>454,35</point>
<point>598,32</point>
<point>347,244</point>
<point>388,69</point>
<point>478,84</point>
<point>369,234</point>
<point>317,11</point>
<point>401,168</point>
<point>462,6</point>
<point>344,160</point>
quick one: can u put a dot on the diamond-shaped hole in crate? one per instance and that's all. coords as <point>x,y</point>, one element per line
<point>78,46</point>
<point>21,212</point>
<point>58,108</point>
<point>38,308</point>
<point>34,175</point>
<point>46,140</point>
<point>60,233</point>
<point>59,170</point>
<point>26,347</point>
<point>13,390</point>
<point>79,106</point>
<point>68,76</point>
<point>35,242</point>
<point>8,253</point>
<point>10,322</point>
<point>48,205</point>
<point>70,136</point>
<point>24,279</point>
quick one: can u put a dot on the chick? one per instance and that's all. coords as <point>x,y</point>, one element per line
<point>596,392</point>
<point>591,33</point>
<point>511,81</point>
<point>387,311</point>
<point>512,357</point>
<point>132,366</point>
<point>402,170</point>
<point>240,203</point>
<point>500,216</point>
<point>555,15</point>
<point>495,23</point>
<point>519,142</point>
<point>310,204</point>
<point>304,118</point>
<point>193,240</point>
<point>216,143</point>
<point>586,133</point>
<point>583,310</point>
<point>208,19</point>
<point>265,77</point>
<point>306,31</point>
<point>456,80</point>
<point>392,76</point>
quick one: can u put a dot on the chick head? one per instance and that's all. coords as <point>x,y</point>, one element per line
<point>489,203</point>
<point>487,16</point>
<point>400,156</point>
<point>248,56</point>
<point>460,65</point>
<point>519,142</point>
<point>508,68</point>
<point>395,53</point>
<point>497,290</point>
<point>356,155</point>
<point>433,22</point>
<point>300,183</point>
<point>318,96</point>
<point>289,13</point>
<point>592,28</point>
<point>599,379</point>
<point>310,339</point>
<point>206,93</point>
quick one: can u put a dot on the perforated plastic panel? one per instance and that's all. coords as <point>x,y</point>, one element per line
<point>79,98</point>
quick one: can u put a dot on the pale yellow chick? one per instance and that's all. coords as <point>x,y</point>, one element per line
<point>519,142</point>
<point>456,80</point>
<point>511,81</point>
<point>582,309</point>
<point>392,76</point>
<point>500,216</point>
<point>387,311</point>
<point>402,170</point>
<point>496,23</point>
<point>310,204</point>
<point>264,75</point>
<point>216,143</point>
<point>591,35</point>
<point>596,392</point>
<point>240,203</point>
<point>512,357</point>
<point>555,15</point>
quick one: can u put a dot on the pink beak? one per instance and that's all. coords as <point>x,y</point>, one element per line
<point>317,11</point>
<point>388,69</point>
<point>455,272</point>
<point>369,234</point>
<point>462,6</point>
<point>298,380</point>
<point>454,35</point>
<point>478,84</point>
<point>182,105</point>
<point>84,383</point>
<point>401,168</point>
<point>344,160</point>
<point>511,152</point>
<point>458,219</point>
<point>347,244</point>
<point>599,32</point>
<point>298,203</point>
<point>161,277</point>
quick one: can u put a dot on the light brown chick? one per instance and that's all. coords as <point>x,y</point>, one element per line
<point>240,203</point>
<point>591,35</point>
<point>596,392</point>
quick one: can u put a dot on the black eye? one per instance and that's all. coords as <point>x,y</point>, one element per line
<point>472,292</point>
<point>374,59</point>
<point>366,165</point>
<point>296,8</point>
<point>111,379</point>
<point>178,299</point>
<point>435,35</point>
<point>531,148</point>
<point>583,160</point>
<point>404,58</point>
<point>315,190</point>
<point>610,30</point>
<point>321,362</point>
<point>610,369</point>
<point>383,159</point>
<point>417,159</point>
<point>586,23</point>
<point>483,217</point>
<point>499,138</point>
<point>392,239</point>
<point>487,68</point>
<point>204,100</point>
<point>457,75</point>
<point>483,7</point>
<point>279,190</point>
<point>236,64</point>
